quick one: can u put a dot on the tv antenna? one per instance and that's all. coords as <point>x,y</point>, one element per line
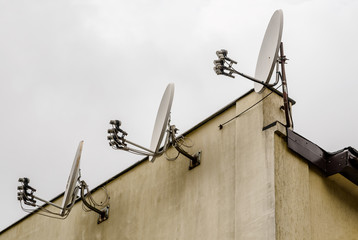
<point>162,127</point>
<point>271,55</point>
<point>27,197</point>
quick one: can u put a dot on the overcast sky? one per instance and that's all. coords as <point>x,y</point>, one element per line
<point>68,67</point>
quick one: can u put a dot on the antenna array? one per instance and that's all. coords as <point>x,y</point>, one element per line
<point>271,55</point>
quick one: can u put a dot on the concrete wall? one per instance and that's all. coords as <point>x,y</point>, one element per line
<point>248,186</point>
<point>310,206</point>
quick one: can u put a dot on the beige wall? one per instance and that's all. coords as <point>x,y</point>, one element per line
<point>308,205</point>
<point>248,186</point>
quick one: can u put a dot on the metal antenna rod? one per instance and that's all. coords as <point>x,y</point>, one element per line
<point>138,146</point>
<point>47,202</point>
<point>255,80</point>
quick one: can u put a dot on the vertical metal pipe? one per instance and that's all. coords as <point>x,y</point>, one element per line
<point>284,86</point>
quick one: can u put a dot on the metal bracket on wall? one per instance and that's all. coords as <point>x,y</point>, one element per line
<point>104,215</point>
<point>92,205</point>
<point>195,161</point>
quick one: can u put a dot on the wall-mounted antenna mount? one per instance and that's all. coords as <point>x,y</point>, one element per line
<point>91,204</point>
<point>27,197</point>
<point>174,141</point>
<point>271,55</point>
<point>118,141</point>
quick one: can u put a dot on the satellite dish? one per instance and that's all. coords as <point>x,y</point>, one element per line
<point>269,50</point>
<point>161,121</point>
<point>27,197</point>
<point>118,141</point>
<point>271,54</point>
<point>72,179</point>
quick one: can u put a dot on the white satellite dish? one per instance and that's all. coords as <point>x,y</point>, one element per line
<point>26,195</point>
<point>271,54</point>
<point>72,179</point>
<point>118,141</point>
<point>161,121</point>
<point>269,50</point>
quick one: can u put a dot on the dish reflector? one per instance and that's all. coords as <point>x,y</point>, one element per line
<point>161,121</point>
<point>71,182</point>
<point>269,49</point>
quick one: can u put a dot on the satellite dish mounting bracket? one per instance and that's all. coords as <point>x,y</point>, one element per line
<point>194,160</point>
<point>103,213</point>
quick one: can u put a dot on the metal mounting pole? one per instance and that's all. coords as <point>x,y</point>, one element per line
<point>286,105</point>
<point>150,152</point>
<point>270,87</point>
<point>47,202</point>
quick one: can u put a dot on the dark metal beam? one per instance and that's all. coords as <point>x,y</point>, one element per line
<point>344,161</point>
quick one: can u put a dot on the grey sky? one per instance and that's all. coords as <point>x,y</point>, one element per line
<point>68,67</point>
